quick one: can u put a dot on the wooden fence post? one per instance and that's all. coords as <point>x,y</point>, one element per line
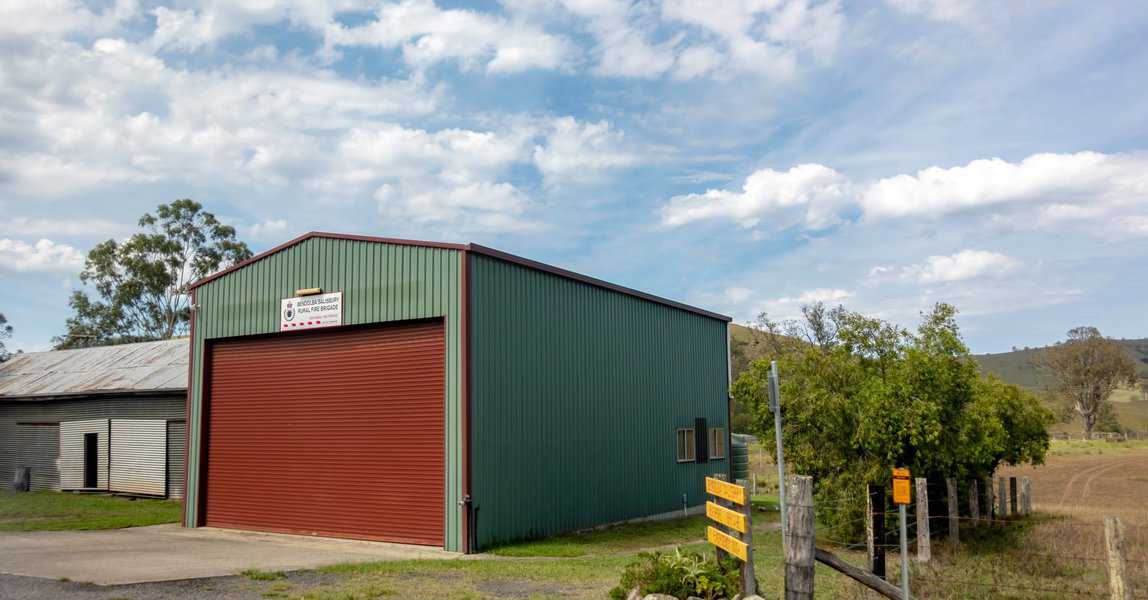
<point>799,553</point>
<point>875,529</point>
<point>989,499</point>
<point>1012,492</point>
<point>1025,496</point>
<point>954,514</point>
<point>974,503</point>
<point>1002,498</point>
<point>748,579</point>
<point>1114,543</point>
<point>924,551</point>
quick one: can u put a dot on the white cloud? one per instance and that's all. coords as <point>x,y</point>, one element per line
<point>809,195</point>
<point>26,227</point>
<point>1103,193</point>
<point>964,265</point>
<point>39,18</point>
<point>211,21</point>
<point>957,11</point>
<point>767,38</point>
<point>697,61</point>
<point>44,256</point>
<point>269,229</point>
<point>447,177</point>
<point>429,35</point>
<point>1081,178</point>
<point>467,206</point>
<point>114,113</point>
<point>581,151</point>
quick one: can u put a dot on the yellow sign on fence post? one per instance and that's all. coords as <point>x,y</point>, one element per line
<point>738,540</point>
<point>902,491</point>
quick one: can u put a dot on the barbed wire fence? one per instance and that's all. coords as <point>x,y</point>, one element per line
<point>1004,550</point>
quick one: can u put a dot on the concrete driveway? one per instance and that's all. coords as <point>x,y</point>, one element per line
<point>170,552</point>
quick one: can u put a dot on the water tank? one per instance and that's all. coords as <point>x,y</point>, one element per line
<point>739,459</point>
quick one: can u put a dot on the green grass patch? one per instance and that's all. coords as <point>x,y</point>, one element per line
<point>54,511</point>
<point>1096,447</point>
<point>629,537</point>
<point>585,576</point>
<point>258,575</point>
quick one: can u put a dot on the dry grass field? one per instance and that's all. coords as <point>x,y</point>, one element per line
<point>1058,553</point>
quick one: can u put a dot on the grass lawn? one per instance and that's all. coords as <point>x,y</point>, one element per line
<point>582,565</point>
<point>53,511</point>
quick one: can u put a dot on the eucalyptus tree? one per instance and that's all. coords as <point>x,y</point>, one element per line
<point>140,285</point>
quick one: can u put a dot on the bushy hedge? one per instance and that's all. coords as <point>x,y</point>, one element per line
<point>861,396</point>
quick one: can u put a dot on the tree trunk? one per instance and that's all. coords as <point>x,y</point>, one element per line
<point>1089,422</point>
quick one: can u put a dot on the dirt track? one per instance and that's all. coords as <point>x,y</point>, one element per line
<point>1092,485</point>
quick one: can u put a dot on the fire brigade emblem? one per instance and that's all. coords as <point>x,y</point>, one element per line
<point>289,312</point>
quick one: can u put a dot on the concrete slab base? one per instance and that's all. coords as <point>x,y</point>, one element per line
<point>170,552</point>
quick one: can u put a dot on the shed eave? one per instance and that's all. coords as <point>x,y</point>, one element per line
<point>96,394</point>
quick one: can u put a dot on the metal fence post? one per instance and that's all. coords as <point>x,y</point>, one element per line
<point>775,403</point>
<point>1012,499</point>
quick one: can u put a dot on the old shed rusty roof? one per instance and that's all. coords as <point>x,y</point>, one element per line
<point>127,368</point>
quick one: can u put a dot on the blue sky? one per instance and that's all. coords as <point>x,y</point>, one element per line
<point>742,155</point>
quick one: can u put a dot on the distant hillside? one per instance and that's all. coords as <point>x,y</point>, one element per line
<point>1017,366</point>
<point>1014,367</point>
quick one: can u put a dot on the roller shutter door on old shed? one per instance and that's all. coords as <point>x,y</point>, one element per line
<point>337,432</point>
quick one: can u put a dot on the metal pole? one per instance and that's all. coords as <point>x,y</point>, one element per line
<point>904,555</point>
<point>775,404</point>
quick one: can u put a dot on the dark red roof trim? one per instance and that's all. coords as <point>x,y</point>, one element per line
<point>478,249</point>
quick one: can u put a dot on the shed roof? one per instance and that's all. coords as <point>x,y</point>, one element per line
<point>477,249</point>
<point>126,368</point>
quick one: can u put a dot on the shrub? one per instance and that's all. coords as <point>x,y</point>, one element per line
<point>681,574</point>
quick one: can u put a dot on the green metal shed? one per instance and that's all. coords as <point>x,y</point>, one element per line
<point>444,394</point>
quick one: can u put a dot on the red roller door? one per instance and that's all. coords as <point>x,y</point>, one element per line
<point>336,433</point>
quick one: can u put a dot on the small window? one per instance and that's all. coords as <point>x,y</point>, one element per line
<point>717,442</point>
<point>686,445</point>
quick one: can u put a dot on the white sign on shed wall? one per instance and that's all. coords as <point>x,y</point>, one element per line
<point>310,312</point>
<point>138,457</point>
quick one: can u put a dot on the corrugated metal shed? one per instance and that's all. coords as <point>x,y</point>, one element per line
<point>562,397</point>
<point>143,367</point>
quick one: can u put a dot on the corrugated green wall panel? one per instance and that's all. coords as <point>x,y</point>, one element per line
<point>380,282</point>
<point>576,394</point>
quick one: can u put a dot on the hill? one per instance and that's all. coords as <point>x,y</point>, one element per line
<point>1017,366</point>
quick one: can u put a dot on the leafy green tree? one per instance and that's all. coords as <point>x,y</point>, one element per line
<point>141,284</point>
<point>861,396</point>
<point>5,333</point>
<point>1087,367</point>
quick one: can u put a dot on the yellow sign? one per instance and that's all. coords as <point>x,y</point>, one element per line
<point>726,490</point>
<point>902,492</point>
<point>730,518</point>
<point>727,542</point>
